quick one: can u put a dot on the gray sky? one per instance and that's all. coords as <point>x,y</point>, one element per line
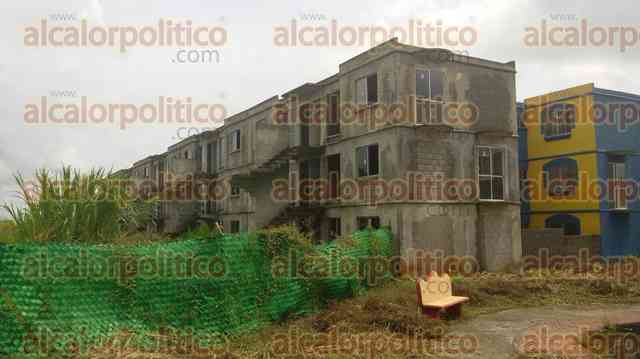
<point>251,68</point>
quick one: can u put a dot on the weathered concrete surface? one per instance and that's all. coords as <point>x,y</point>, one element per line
<point>441,148</point>
<point>537,330</point>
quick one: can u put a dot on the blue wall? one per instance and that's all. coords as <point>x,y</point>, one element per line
<point>620,230</point>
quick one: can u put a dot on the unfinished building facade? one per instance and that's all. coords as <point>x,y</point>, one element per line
<point>420,140</point>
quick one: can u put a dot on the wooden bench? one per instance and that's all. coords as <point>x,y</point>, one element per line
<point>435,295</point>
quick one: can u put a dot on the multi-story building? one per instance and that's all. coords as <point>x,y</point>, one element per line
<point>420,140</point>
<point>148,180</point>
<point>582,165</point>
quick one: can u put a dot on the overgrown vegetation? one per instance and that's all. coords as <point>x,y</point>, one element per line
<point>70,206</point>
<point>7,231</point>
<point>281,239</point>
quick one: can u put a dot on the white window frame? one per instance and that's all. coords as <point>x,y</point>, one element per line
<point>430,96</point>
<point>333,96</point>
<point>491,175</point>
<point>357,174</point>
<point>618,171</point>
<point>361,95</point>
<point>234,141</point>
<point>426,101</point>
<point>364,100</point>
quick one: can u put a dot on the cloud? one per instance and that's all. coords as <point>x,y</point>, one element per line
<point>93,12</point>
<point>252,68</point>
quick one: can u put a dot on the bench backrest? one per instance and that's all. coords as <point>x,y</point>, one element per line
<point>434,288</point>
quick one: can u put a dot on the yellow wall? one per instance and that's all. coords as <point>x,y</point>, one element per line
<point>582,139</point>
<point>586,195</point>
<point>589,222</point>
<point>583,136</point>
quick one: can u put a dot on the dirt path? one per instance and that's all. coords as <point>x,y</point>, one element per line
<point>543,329</point>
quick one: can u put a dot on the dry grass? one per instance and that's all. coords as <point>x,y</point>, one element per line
<point>386,320</point>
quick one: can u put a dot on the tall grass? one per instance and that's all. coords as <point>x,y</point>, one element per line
<point>7,231</point>
<point>70,206</point>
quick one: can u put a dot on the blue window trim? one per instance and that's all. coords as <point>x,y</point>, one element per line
<point>563,162</point>
<point>546,111</point>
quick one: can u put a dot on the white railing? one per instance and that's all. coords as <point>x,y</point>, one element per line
<point>619,195</point>
<point>428,111</point>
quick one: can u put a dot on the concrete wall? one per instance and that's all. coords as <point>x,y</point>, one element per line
<point>262,138</point>
<point>499,236</point>
<point>458,226</point>
<point>553,240</point>
<point>490,231</point>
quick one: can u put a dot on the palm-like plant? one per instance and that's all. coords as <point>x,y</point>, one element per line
<point>70,206</point>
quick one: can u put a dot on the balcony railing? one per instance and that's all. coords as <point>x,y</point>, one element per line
<point>428,111</point>
<point>618,195</point>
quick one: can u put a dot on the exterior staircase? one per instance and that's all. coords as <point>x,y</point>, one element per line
<point>247,179</point>
<point>307,217</point>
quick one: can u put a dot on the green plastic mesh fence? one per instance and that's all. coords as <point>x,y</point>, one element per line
<point>224,285</point>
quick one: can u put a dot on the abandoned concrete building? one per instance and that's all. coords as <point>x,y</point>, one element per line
<point>420,140</point>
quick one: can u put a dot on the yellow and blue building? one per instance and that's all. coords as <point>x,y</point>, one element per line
<point>580,164</point>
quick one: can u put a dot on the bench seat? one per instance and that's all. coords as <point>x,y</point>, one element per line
<point>435,295</point>
<point>445,302</point>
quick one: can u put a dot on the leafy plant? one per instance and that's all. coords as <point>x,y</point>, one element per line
<point>70,206</point>
<point>279,240</point>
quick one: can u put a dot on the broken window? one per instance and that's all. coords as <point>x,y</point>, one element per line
<point>367,90</point>
<point>221,153</point>
<point>234,140</point>
<point>204,208</point>
<point>306,113</point>
<point>366,222</point>
<point>210,168</point>
<point>199,150</point>
<point>491,173</point>
<point>335,228</point>
<point>422,84</point>
<point>333,123</point>
<point>367,159</point>
<point>234,226</point>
